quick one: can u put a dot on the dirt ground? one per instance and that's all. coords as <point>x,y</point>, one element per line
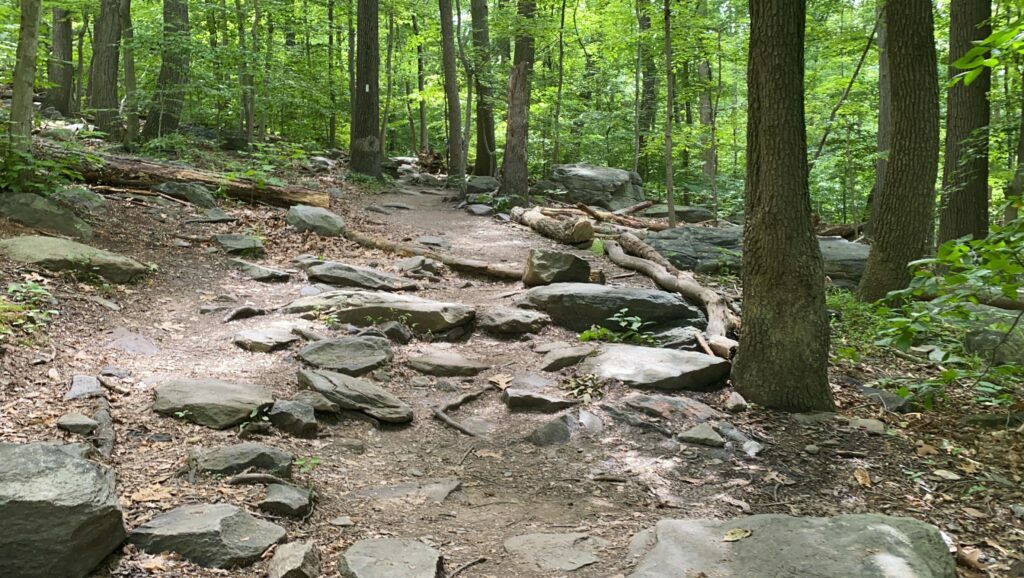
<point>610,484</point>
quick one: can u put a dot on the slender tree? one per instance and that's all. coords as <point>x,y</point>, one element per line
<point>669,113</point>
<point>60,69</point>
<point>103,83</point>
<point>456,163</point>
<point>884,133</point>
<point>515,174</point>
<point>782,361</point>
<point>421,86</point>
<point>707,109</point>
<point>24,76</point>
<point>486,157</point>
<point>365,133</point>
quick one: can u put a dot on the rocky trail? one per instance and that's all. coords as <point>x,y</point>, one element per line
<point>271,398</point>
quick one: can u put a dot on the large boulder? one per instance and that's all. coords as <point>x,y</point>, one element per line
<point>210,402</point>
<point>656,368</point>
<point>848,546</point>
<point>37,211</point>
<point>349,355</point>
<point>81,200</point>
<point>64,255</point>
<point>344,275</point>
<point>226,460</point>
<point>481,185</point>
<point>391,558</point>
<point>194,193</point>
<point>544,267</point>
<point>356,394</point>
<point>211,535</point>
<point>844,260</point>
<point>599,186</point>
<point>987,335</point>
<point>577,306</point>
<point>372,307</point>
<point>60,515</point>
<point>321,221</point>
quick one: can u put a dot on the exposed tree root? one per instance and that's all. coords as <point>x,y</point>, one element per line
<point>599,215</point>
<point>441,411</point>
<point>473,266</point>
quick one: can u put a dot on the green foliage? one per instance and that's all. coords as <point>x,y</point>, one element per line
<point>307,464</point>
<point>855,325</point>
<point>25,308</point>
<point>630,331</point>
<point>21,172</point>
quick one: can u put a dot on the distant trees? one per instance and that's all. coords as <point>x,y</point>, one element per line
<point>456,162</point>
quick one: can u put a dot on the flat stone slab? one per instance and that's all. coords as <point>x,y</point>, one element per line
<point>561,358</point>
<point>123,339</point>
<point>344,275</point>
<point>370,307</point>
<point>318,220</point>
<point>211,535</point>
<point>446,364</point>
<point>265,340</point>
<point>555,552</point>
<point>295,560</point>
<point>578,306</point>
<point>212,216</point>
<point>702,434</point>
<point>848,546</point>
<point>56,254</point>
<point>651,367</point>
<point>235,244</point>
<point>530,400</point>
<point>42,213</point>
<point>348,355</point>
<point>674,408</point>
<point>258,272</point>
<point>287,500</point>
<point>84,386</point>
<point>391,558</point>
<point>233,459</point>
<point>431,490</point>
<point>210,402</point>
<point>356,394</point>
<point>512,321</point>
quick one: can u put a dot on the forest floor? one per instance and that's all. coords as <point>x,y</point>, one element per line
<point>609,484</point>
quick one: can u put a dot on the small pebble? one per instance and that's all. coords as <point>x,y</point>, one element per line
<point>812,449</point>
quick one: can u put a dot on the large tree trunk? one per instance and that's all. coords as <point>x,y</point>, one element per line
<point>903,225</point>
<point>782,361</point>
<point>884,134</point>
<point>106,39</point>
<point>24,77</point>
<point>130,93</point>
<point>486,157</point>
<point>60,69</point>
<point>515,171</point>
<point>964,208</point>
<point>165,112</point>
<point>365,133</point>
<point>456,164</point>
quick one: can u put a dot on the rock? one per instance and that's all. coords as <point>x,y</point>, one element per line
<point>77,423</point>
<point>210,402</point>
<point>342,275</point>
<point>321,164</point>
<point>342,522</point>
<point>599,186</point>
<point>321,221</point>
<point>419,265</point>
<point>243,312</point>
<point>551,346</point>
<point>986,335</point>
<point>258,272</point>
<point>355,394</point>
<point>62,255</point>
<point>657,368</point>
<point>194,193</point>
<point>685,214</point>
<point>211,216</point>
<point>211,535</point>
<point>735,403</point>
<point>348,355</point>
<point>672,408</point>
<point>295,560</point>
<point>431,490</point>
<point>60,513</point>
<point>844,260</point>
<point>527,400</point>
<point>480,210</point>
<point>317,401</point>
<point>556,431</point>
<point>578,306</point>
<point>398,206</point>
<point>294,417</point>
<point>889,400</point>
<point>545,267</point>
<point>80,200</point>
<point>433,241</point>
<point>555,552</point>
<point>561,358</point>
<point>246,245</point>
<point>84,386</point>
<point>702,434</point>
<point>376,209</point>
<point>129,342</point>
<point>995,420</point>
<point>811,449</point>
<point>265,340</point>
<point>481,185</point>
<point>287,500</point>
<point>371,307</point>
<point>391,558</point>
<point>679,338</point>
<point>446,364</point>
<point>36,211</point>
<point>511,321</point>
<point>234,459</point>
<point>396,331</point>
<point>872,426</point>
<point>590,422</point>
<point>848,546</point>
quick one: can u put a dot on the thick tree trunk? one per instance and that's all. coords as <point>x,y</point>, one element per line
<point>24,76</point>
<point>60,69</point>
<point>903,225</point>
<point>456,164</point>
<point>165,112</point>
<point>486,156</point>
<point>131,111</point>
<point>365,133</point>
<point>106,39</point>
<point>782,361</point>
<point>515,171</point>
<point>964,209</point>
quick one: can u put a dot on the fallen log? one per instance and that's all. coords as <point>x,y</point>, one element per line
<point>472,266</point>
<point>599,215</point>
<point>105,169</point>
<point>569,232</point>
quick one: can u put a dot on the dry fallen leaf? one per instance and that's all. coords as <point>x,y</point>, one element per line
<point>501,380</point>
<point>487,454</point>
<point>736,534</point>
<point>152,494</point>
<point>927,450</point>
<point>974,513</point>
<point>863,477</point>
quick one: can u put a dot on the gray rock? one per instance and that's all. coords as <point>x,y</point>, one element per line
<point>481,185</point>
<point>211,535</point>
<point>243,312</point>
<point>60,513</point>
<point>321,221</point>
<point>555,552</point>
<point>62,255</point>
<point>872,426</point>
<point>233,459</point>
<point>391,558</point>
<point>396,331</point>
<point>287,500</point>
<point>844,260</point>
<point>342,275</point>
<point>295,560</point>
<point>528,400</point>
<point>812,449</point>
<point>556,431</point>
<point>478,210</point>
<point>77,423</point>
<point>355,394</point>
<point>435,491</point>
<point>986,335</point>
<point>342,522</point>
<point>80,200</point>
<point>294,417</point>
<point>702,434</point>
<point>377,209</point>
<point>398,206</point>
<point>679,338</point>
<point>194,193</point>
<point>685,214</point>
<point>995,420</point>
<point>42,213</point>
<point>123,339</point>
<point>266,339</point>
<point>317,401</point>
<point>561,358</point>
<point>212,216</point>
<point>419,265</point>
<point>578,306</point>
<point>600,186</point>
<point>246,245</point>
<point>889,400</point>
<point>370,307</point>
<point>433,241</point>
<point>735,403</point>
<point>258,272</point>
<point>657,368</point>
<point>543,348</point>
<point>590,422</point>
<point>84,386</point>
<point>848,546</point>
<point>675,409</point>
<point>512,321</point>
<point>210,402</point>
<point>348,355</point>
<point>544,267</point>
<point>446,364</point>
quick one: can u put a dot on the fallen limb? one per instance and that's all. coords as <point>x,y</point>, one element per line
<point>482,268</point>
<point>634,208</point>
<point>599,215</point>
<point>255,479</point>
<point>570,232</point>
<point>441,411</point>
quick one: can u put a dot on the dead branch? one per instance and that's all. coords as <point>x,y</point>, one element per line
<point>599,215</point>
<point>570,232</point>
<point>473,266</point>
<point>634,208</point>
<point>255,479</point>
<point>441,412</point>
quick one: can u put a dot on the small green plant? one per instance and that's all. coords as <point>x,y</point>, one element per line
<point>631,330</point>
<point>21,172</point>
<point>26,308</point>
<point>307,464</point>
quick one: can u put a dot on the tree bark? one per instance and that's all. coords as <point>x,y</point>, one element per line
<point>515,170</point>
<point>165,112</point>
<point>60,69</point>
<point>106,39</point>
<point>332,123</point>
<point>131,104</point>
<point>456,163</point>
<point>385,119</point>
<point>555,153</point>
<point>421,86</point>
<point>1016,186</point>
<point>486,157</point>
<point>782,361</point>
<point>884,134</point>
<point>669,112</point>
<point>649,88</point>
<point>79,92</point>
<point>24,77</point>
<point>365,132</point>
<point>569,231</point>
<point>903,225</point>
<point>248,113</point>
<point>707,111</point>
<point>964,209</point>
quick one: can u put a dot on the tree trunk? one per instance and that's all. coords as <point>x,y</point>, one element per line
<point>903,225</point>
<point>248,114</point>
<point>388,78</point>
<point>351,56</point>
<point>24,77</point>
<point>649,87</point>
<point>60,69</point>
<point>782,361</point>
<point>332,123</point>
<point>365,133</point>
<point>486,156</point>
<point>884,135</point>
<point>131,105</point>
<point>79,92</point>
<point>515,171</point>
<point>964,209</point>
<point>421,86</point>
<point>456,164</point>
<point>707,111</point>
<point>1016,186</point>
<point>669,112</point>
<point>165,112</point>
<point>106,39</point>
<point>555,156</point>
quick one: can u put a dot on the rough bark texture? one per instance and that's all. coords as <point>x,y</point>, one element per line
<point>421,85</point>
<point>669,113</point>
<point>965,169</point>
<point>60,69</point>
<point>106,41</point>
<point>1016,187</point>
<point>782,361</point>
<point>365,133</point>
<point>571,231</point>
<point>486,158</point>
<point>903,225</point>
<point>515,173</point>
<point>24,76</point>
<point>456,163</point>
<point>128,55</point>
<point>165,112</point>
<point>648,92</point>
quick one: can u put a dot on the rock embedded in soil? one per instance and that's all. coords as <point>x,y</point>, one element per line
<point>872,426</point>
<point>349,355</point>
<point>77,423</point>
<point>446,364</point>
<point>130,342</point>
<point>396,332</point>
<point>478,210</point>
<point>391,558</point>
<point>60,513</point>
<point>287,500</point>
<point>578,306</point>
<point>344,275</point>
<point>481,185</point>
<point>212,216</point>
<point>356,394</point>
<point>672,408</point>
<point>888,400</point>
<point>511,321</point>
<point>243,312</point>
<point>317,401</point>
<point>702,434</point>
<point>420,265</point>
<point>84,386</point>
<point>372,307</point>
<point>237,458</point>
<point>295,560</point>
<point>544,267</point>
<point>210,402</point>
<point>431,490</point>
<point>80,200</point>
<point>318,220</point>
<point>555,552</point>
<point>265,340</point>
<point>434,242</point>
<point>211,535</point>
<point>258,272</point>
<point>656,368</point>
<point>295,418</point>
<point>735,403</point>
<point>246,245</point>
<point>551,346</point>
<point>553,432</point>
<point>606,187</point>
<point>194,193</point>
<point>41,213</point>
<point>561,358</point>
<point>56,254</point>
<point>847,546</point>
<point>528,400</point>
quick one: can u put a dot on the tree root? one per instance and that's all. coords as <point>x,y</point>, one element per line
<point>441,411</point>
<point>472,266</point>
